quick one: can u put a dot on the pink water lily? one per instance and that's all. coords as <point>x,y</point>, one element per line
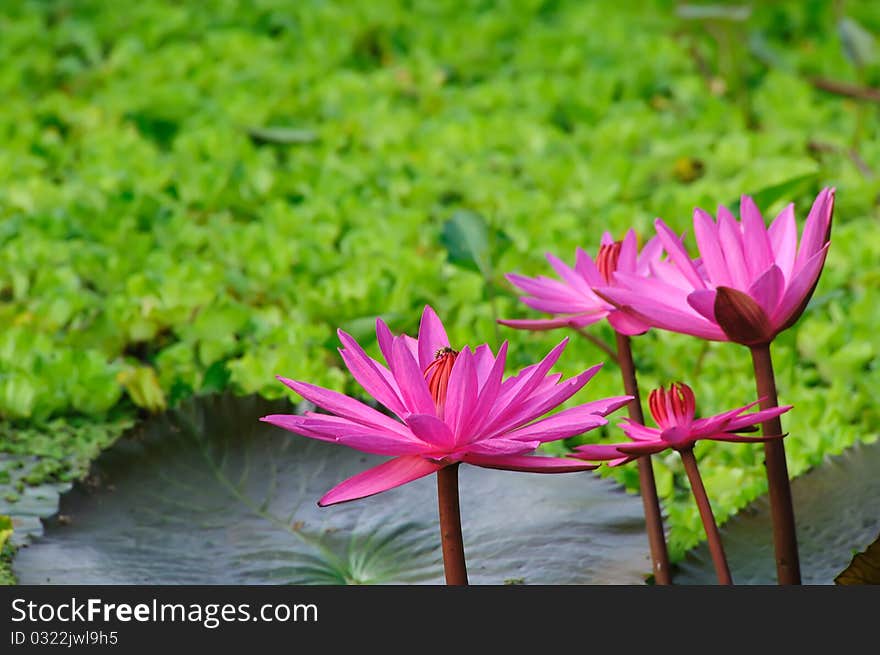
<point>673,411</point>
<point>749,283</point>
<point>572,298</point>
<point>450,407</point>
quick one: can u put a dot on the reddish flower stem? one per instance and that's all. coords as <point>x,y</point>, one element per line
<point>647,485</point>
<point>450,526</point>
<point>716,548</point>
<point>781,507</point>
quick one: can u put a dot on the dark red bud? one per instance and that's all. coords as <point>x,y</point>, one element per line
<point>741,318</point>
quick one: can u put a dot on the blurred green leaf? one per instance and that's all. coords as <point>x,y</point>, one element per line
<point>858,43</point>
<point>466,239</point>
<point>143,388</point>
<point>282,135</point>
<point>787,189</point>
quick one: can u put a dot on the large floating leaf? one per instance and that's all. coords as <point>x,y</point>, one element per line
<point>207,494</point>
<point>837,508</point>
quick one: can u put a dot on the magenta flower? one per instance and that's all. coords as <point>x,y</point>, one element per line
<point>573,300</point>
<point>451,407</point>
<point>749,284</point>
<point>673,411</point>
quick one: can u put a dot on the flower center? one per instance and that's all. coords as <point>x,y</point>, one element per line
<point>673,407</point>
<point>437,375</point>
<point>606,260</point>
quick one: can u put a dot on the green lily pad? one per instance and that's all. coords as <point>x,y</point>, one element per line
<point>836,508</point>
<point>207,494</point>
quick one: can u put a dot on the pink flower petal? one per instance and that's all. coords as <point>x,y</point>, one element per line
<point>385,339</point>
<point>294,423</point>
<point>410,380</point>
<point>543,287</point>
<point>651,252</point>
<point>817,229</point>
<point>738,438</point>
<point>678,254</point>
<point>717,422</point>
<point>564,424</point>
<point>642,447</point>
<point>529,463</point>
<point>341,428</point>
<point>360,438</point>
<point>783,239</point>
<point>461,396</point>
<point>366,371</point>
<point>580,320</point>
<point>756,244</point>
<point>432,337</point>
<point>656,313</point>
<point>799,290</point>
<point>730,236</point>
<point>627,324</point>
<point>342,405</point>
<point>755,418</point>
<point>489,392</point>
<point>542,402</point>
<point>629,252</point>
<point>566,306</point>
<point>586,267</point>
<point>767,289</point>
<point>704,302</point>
<point>519,388</point>
<point>386,476</point>
<point>432,430</point>
<point>639,432</point>
<point>597,452</point>
<point>709,244</point>
<point>571,277</point>
<point>484,361</point>
<point>496,447</point>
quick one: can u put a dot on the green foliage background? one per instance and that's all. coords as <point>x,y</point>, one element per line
<point>194,196</point>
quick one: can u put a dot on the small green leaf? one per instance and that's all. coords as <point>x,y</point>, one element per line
<point>286,136</point>
<point>466,238</point>
<point>471,242</point>
<point>143,388</point>
<point>857,42</point>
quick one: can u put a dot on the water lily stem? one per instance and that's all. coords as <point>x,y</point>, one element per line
<point>647,485</point>
<point>716,548</point>
<point>779,487</point>
<point>450,526</point>
<point>599,343</point>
